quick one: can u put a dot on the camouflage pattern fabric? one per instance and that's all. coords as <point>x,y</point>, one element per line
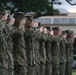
<point>48,56</point>
<point>9,49</point>
<point>42,52</point>
<point>3,50</point>
<point>69,56</point>
<point>55,47</point>
<point>32,49</point>
<point>62,57</point>
<point>19,52</point>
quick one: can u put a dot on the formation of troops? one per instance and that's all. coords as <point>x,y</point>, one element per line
<point>28,48</point>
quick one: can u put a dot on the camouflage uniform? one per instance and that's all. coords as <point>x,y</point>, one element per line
<point>3,50</point>
<point>9,49</point>
<point>48,55</point>
<point>42,52</point>
<point>62,57</point>
<point>69,56</point>
<point>19,52</point>
<point>55,47</point>
<point>32,49</point>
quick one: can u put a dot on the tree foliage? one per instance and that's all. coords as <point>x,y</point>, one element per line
<point>39,7</point>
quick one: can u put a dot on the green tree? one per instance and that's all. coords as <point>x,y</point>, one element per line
<point>39,7</point>
<point>53,2</point>
<point>3,3</point>
<point>7,4</point>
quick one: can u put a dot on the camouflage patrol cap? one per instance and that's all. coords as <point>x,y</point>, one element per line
<point>19,15</point>
<point>72,32</point>
<point>2,11</point>
<point>69,32</point>
<point>48,28</point>
<point>29,17</point>
<point>55,28</point>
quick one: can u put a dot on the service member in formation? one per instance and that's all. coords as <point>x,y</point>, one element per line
<point>3,45</point>
<point>48,66</point>
<point>55,47</point>
<point>62,53</point>
<point>69,52</point>
<point>9,42</point>
<point>42,51</point>
<point>32,45</point>
<point>19,52</point>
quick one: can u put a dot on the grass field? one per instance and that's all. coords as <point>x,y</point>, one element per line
<point>74,73</point>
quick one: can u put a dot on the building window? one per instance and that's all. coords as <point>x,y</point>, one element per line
<point>56,20</point>
<point>47,20</point>
<point>41,20</point>
<point>71,20</point>
<point>64,21</point>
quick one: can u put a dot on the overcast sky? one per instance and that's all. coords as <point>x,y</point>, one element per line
<point>67,6</point>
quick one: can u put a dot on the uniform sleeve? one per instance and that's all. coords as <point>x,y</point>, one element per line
<point>49,38</point>
<point>29,33</point>
<point>43,37</point>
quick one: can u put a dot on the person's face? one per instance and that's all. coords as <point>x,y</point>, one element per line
<point>56,32</point>
<point>27,23</point>
<point>51,33</point>
<point>34,24</point>
<point>30,23</point>
<point>60,31</point>
<point>4,17</point>
<point>72,35</point>
<point>44,31</point>
<point>10,21</point>
<point>48,31</point>
<point>23,21</point>
<point>19,21</point>
<point>64,36</point>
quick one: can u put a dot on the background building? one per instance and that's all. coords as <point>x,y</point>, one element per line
<point>63,22</point>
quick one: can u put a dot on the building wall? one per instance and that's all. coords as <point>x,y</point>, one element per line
<point>64,22</point>
<point>71,14</point>
<point>72,28</point>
